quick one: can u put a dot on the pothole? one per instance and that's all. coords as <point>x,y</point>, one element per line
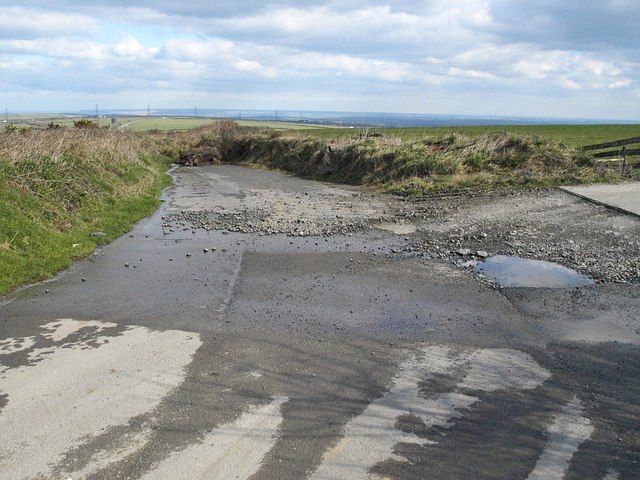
<point>521,272</point>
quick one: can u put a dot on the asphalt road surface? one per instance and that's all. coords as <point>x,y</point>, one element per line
<point>260,326</point>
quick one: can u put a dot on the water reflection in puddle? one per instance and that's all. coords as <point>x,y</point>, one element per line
<point>520,272</point>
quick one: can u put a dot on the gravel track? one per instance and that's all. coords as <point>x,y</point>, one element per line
<point>462,229</point>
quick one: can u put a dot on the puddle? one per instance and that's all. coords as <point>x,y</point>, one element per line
<point>520,272</point>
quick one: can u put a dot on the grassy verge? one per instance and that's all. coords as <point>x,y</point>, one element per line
<point>444,161</point>
<point>60,187</point>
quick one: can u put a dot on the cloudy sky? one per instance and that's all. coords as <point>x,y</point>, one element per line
<point>550,58</point>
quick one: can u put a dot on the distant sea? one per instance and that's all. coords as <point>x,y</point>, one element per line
<point>355,119</point>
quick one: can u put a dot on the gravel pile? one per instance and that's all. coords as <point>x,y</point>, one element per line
<point>552,226</point>
<point>260,221</point>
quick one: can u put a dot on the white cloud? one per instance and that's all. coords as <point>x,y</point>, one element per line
<point>570,84</point>
<point>540,65</point>
<point>198,51</point>
<point>54,48</point>
<point>131,47</point>
<point>322,21</point>
<point>274,61</point>
<point>252,66</point>
<point>620,83</point>
<point>597,68</point>
<point>476,74</point>
<point>28,23</point>
<point>306,64</point>
<point>318,53</point>
<point>13,65</point>
<point>362,29</point>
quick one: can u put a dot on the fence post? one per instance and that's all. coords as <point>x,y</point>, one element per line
<point>623,153</point>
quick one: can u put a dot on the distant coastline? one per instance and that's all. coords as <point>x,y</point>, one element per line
<point>361,119</point>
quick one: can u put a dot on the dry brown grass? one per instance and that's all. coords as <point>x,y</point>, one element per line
<point>451,161</point>
<point>58,144</point>
<point>46,160</point>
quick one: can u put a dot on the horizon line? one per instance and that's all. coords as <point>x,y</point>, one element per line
<point>194,112</point>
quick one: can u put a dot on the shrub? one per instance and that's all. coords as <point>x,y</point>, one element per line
<point>85,123</point>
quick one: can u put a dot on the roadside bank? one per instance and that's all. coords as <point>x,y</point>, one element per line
<point>65,191</point>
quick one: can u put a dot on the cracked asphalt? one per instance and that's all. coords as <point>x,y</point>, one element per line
<point>267,327</point>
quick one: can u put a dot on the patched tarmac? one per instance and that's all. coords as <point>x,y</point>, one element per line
<point>624,197</point>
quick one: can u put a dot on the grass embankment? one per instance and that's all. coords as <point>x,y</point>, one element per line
<point>439,162</point>
<point>59,186</point>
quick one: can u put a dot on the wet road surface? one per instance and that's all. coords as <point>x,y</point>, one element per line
<point>186,352</point>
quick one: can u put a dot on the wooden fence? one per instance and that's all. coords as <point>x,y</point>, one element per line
<point>621,153</point>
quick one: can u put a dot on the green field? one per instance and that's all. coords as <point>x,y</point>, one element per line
<point>285,125</point>
<point>143,123</point>
<point>570,135</point>
<point>134,123</point>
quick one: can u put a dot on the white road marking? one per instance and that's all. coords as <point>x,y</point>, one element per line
<point>13,345</point>
<point>232,451</point>
<point>76,392</point>
<point>500,369</point>
<point>565,435</point>
<point>370,437</point>
<point>58,331</point>
<point>130,444</point>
